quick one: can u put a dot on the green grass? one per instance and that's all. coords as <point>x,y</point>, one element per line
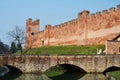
<point>54,73</point>
<point>65,50</point>
<point>115,74</point>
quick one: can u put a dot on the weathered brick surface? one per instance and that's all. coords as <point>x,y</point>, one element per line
<point>113,47</point>
<point>86,29</point>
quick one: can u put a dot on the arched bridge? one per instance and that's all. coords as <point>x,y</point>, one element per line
<point>88,63</point>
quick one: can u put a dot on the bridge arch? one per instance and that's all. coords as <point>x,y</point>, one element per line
<point>112,68</point>
<point>70,68</point>
<point>73,68</point>
<point>13,69</point>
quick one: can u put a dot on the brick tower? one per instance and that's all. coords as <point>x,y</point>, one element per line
<point>32,27</point>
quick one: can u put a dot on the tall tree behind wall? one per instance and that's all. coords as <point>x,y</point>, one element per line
<point>17,35</point>
<point>13,48</point>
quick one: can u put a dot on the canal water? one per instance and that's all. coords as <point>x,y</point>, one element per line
<point>66,76</point>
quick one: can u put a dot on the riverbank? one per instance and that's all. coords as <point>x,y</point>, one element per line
<point>55,71</point>
<point>115,74</point>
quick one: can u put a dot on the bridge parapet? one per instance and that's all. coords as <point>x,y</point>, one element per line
<point>33,63</point>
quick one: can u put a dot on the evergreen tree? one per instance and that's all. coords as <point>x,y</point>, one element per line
<point>19,47</point>
<point>1,47</point>
<point>1,44</point>
<point>4,49</point>
<point>13,48</point>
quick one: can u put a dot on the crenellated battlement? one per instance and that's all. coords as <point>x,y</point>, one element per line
<point>98,14</point>
<point>30,22</point>
<point>86,14</point>
<point>92,15</point>
<point>118,6</point>
<point>112,9</point>
<point>48,26</point>
<point>103,13</point>
<point>73,21</point>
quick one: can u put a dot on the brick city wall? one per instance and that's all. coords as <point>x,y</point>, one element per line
<point>86,29</point>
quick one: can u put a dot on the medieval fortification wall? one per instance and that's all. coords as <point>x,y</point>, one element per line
<point>86,29</point>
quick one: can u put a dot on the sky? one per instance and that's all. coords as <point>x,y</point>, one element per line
<point>16,12</point>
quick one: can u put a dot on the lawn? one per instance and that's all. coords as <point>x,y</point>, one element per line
<point>65,50</point>
<point>115,74</point>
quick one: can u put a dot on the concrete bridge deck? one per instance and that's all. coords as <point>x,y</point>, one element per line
<point>41,63</point>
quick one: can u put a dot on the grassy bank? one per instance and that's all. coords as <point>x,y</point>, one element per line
<point>55,71</point>
<point>115,74</point>
<point>65,50</point>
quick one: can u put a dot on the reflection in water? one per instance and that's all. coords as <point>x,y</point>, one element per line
<point>3,70</point>
<point>17,76</point>
<point>93,77</point>
<point>10,76</point>
<point>66,76</point>
<point>33,77</point>
<point>78,76</point>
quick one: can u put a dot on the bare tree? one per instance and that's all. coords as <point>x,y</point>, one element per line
<point>17,35</point>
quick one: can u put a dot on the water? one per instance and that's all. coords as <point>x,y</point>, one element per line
<point>66,76</point>
<point>3,70</point>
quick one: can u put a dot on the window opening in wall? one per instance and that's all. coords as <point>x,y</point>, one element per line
<point>32,33</point>
<point>42,42</point>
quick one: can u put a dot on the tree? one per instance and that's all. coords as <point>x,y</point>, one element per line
<point>13,48</point>
<point>1,47</point>
<point>4,49</point>
<point>19,47</point>
<point>17,35</point>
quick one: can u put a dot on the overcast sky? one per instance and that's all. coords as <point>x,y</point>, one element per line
<point>15,12</point>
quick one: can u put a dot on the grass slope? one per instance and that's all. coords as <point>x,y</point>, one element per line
<point>115,74</point>
<point>65,50</point>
